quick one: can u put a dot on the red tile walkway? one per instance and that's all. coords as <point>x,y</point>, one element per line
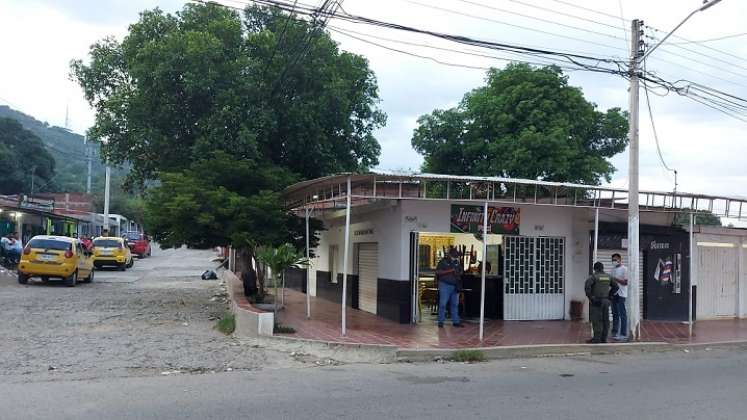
<point>365,328</point>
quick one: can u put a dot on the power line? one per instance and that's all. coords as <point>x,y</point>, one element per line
<point>699,53</point>
<point>547,9</point>
<point>486,19</point>
<point>588,9</point>
<point>472,52</point>
<point>435,60</point>
<point>498,9</point>
<point>656,136</point>
<point>348,32</point>
<point>280,40</point>
<point>700,45</point>
<point>622,20</point>
<point>572,58</point>
<point>711,39</point>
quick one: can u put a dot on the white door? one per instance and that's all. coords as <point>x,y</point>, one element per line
<point>534,278</point>
<point>717,281</point>
<point>368,276</point>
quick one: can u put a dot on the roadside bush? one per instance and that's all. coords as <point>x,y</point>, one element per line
<point>227,324</point>
<point>469,356</point>
<point>283,329</point>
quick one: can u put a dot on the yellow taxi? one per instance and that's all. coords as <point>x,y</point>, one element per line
<point>55,257</point>
<point>112,251</point>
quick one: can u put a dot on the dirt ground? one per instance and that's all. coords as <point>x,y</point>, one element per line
<point>157,318</point>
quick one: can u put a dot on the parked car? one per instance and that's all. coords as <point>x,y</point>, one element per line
<point>51,257</point>
<point>112,251</point>
<point>138,243</point>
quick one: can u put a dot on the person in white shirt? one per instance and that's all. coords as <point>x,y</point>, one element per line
<point>12,246</point>
<point>619,313</point>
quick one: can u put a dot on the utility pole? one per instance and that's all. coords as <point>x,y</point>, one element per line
<point>89,154</point>
<point>637,56</point>
<point>33,174</point>
<point>106,197</point>
<point>633,205</point>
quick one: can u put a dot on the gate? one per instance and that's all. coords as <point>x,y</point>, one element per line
<point>534,278</point>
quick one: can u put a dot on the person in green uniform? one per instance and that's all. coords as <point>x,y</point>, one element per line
<point>599,287</point>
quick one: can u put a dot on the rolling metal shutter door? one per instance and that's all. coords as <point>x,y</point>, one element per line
<point>717,281</point>
<point>368,276</point>
<point>605,256</point>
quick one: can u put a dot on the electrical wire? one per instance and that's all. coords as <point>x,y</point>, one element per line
<point>280,41</point>
<point>721,38</point>
<point>622,20</point>
<point>679,47</point>
<point>435,60</point>
<point>588,9</point>
<point>708,47</point>
<point>498,9</point>
<point>348,32</point>
<point>572,58</point>
<point>526,28</point>
<point>656,136</point>
<point>547,9</point>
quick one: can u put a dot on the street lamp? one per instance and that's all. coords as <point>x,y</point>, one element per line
<point>706,5</point>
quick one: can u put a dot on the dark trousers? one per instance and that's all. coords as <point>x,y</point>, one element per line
<point>619,316</point>
<point>599,315</point>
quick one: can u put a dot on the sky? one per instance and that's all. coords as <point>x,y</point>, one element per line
<point>706,147</point>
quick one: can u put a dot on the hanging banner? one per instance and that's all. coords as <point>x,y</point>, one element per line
<point>468,219</point>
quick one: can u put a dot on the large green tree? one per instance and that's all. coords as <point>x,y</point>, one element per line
<point>525,122</point>
<point>223,110</point>
<point>23,156</point>
<point>261,87</point>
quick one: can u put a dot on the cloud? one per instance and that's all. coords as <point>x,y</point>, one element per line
<point>706,147</point>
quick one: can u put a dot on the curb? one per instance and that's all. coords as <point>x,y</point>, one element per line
<point>342,352</point>
<point>382,353</point>
<point>533,351</point>
<point>564,350</point>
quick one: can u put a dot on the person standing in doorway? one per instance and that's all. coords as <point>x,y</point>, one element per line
<point>448,273</point>
<point>599,287</point>
<point>619,313</point>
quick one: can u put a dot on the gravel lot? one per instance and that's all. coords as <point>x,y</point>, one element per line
<point>154,319</point>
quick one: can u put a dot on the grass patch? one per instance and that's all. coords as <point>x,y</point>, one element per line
<point>469,356</point>
<point>227,324</point>
<point>283,329</point>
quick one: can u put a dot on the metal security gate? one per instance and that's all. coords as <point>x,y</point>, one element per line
<point>368,276</point>
<point>534,278</point>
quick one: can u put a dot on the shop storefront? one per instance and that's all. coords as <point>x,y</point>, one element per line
<point>384,235</point>
<point>664,270</point>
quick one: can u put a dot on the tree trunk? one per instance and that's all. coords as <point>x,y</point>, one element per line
<point>244,261</point>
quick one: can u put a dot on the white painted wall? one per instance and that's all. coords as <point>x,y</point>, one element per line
<point>386,231</point>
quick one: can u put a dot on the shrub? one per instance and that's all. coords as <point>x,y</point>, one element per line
<point>469,356</point>
<point>227,324</point>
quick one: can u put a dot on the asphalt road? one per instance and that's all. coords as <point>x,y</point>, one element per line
<point>697,385</point>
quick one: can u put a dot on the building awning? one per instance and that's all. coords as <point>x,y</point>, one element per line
<point>330,192</point>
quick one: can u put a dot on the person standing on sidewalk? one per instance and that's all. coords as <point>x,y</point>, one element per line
<point>448,273</point>
<point>599,287</point>
<point>619,313</point>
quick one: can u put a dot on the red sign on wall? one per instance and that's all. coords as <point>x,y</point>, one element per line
<point>469,219</point>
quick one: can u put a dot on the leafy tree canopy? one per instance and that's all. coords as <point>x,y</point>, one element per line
<point>223,111</point>
<point>703,218</point>
<point>180,86</point>
<point>524,123</point>
<point>23,155</point>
